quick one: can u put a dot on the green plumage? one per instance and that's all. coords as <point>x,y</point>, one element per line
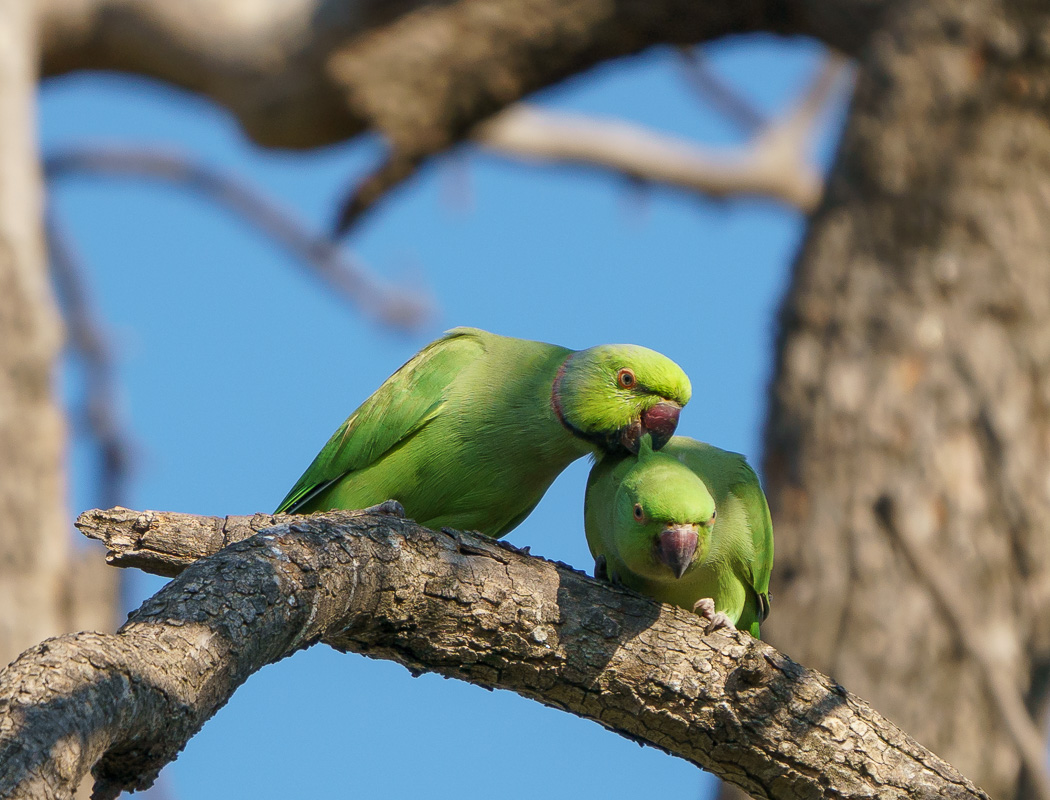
<point>474,428</point>
<point>677,486</point>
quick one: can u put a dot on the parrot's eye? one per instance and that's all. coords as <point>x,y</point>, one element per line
<point>638,513</point>
<point>711,521</point>
<point>625,377</point>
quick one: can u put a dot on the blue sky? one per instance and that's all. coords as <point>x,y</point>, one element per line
<point>236,368</point>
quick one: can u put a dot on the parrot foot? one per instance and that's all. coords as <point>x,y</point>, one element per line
<point>716,620</point>
<point>389,507</point>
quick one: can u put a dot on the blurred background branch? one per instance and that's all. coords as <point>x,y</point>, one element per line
<point>399,307</point>
<point>711,90</point>
<point>775,164</point>
<point>88,343</point>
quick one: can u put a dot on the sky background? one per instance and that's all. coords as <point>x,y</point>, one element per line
<point>235,368</point>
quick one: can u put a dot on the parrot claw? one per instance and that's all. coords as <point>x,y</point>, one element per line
<point>716,620</point>
<point>389,507</point>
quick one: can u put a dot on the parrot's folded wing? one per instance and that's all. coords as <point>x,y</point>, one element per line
<point>749,491</point>
<point>406,402</point>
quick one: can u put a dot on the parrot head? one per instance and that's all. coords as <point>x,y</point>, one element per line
<point>663,517</point>
<point>614,394</point>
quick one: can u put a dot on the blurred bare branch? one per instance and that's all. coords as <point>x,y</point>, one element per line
<point>806,113</point>
<point>1026,737</point>
<point>765,168</point>
<point>714,91</point>
<point>395,306</point>
<point>86,339</point>
<point>774,164</point>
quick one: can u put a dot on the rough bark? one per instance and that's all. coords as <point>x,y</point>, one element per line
<point>913,384</point>
<point>458,604</point>
<point>38,595</point>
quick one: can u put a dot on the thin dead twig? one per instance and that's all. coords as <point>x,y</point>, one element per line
<point>87,341</point>
<point>710,88</point>
<point>397,307</point>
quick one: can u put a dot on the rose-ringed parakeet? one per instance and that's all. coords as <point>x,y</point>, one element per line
<point>688,525</point>
<point>474,428</point>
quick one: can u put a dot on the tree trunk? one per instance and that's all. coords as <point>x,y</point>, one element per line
<point>912,387</point>
<point>40,594</point>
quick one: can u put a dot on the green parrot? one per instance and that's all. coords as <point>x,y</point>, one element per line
<point>473,429</point>
<point>688,525</point>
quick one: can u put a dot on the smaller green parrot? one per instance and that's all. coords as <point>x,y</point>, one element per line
<point>688,525</point>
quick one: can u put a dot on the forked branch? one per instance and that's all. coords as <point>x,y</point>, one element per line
<point>776,163</point>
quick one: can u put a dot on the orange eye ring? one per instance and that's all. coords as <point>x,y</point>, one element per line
<point>625,378</point>
<point>639,514</point>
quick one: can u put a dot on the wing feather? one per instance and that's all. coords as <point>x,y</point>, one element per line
<point>749,491</point>
<point>406,402</point>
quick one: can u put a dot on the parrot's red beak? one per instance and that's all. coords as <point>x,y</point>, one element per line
<point>661,421</point>
<point>676,547</point>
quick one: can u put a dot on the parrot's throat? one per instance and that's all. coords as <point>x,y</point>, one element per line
<point>605,442</point>
<point>556,399</point>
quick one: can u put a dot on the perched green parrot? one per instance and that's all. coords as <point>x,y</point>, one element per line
<point>474,428</point>
<point>688,525</point>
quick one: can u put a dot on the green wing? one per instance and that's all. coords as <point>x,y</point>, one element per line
<point>602,482</point>
<point>406,402</point>
<point>749,492</point>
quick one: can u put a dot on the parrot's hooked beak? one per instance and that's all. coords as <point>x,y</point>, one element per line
<point>660,422</point>
<point>676,547</point>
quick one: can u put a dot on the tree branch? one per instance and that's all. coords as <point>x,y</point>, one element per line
<point>309,72</point>
<point>329,260</point>
<point>86,339</point>
<point>457,604</point>
<point>712,90</point>
<point>774,164</point>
